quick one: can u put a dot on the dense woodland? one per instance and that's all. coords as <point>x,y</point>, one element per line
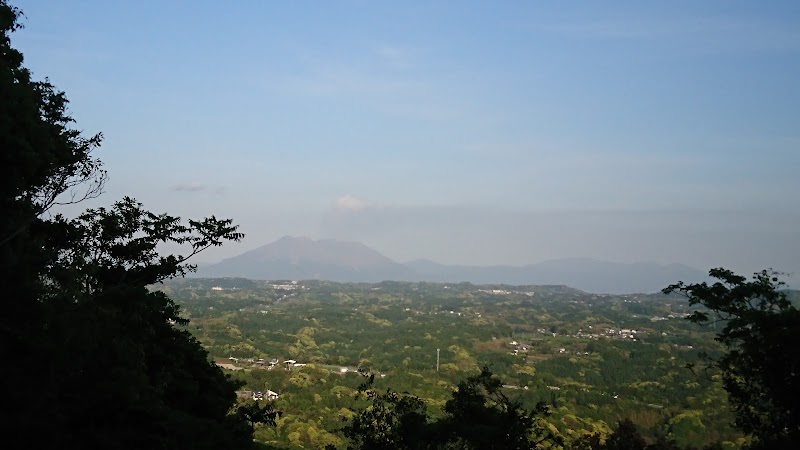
<point>594,359</point>
<point>93,359</point>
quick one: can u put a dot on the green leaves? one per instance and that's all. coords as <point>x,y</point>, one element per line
<point>481,415</point>
<point>121,244</point>
<point>391,421</point>
<point>252,412</point>
<point>478,416</point>
<point>761,369</point>
<point>109,363</point>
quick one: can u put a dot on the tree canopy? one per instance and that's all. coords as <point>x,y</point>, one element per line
<point>93,357</point>
<point>760,369</point>
<point>477,416</point>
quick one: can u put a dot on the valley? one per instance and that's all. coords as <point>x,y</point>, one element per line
<point>595,359</point>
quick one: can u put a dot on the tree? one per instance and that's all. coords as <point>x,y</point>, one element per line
<point>94,358</point>
<point>478,416</point>
<point>589,441</point>
<point>760,368</point>
<point>391,421</point>
<point>625,437</point>
<point>481,416</point>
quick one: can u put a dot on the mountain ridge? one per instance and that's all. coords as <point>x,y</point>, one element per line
<point>349,261</point>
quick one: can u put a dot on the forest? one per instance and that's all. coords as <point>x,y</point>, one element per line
<point>593,359</point>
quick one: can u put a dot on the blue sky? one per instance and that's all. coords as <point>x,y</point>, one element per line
<point>464,132</point>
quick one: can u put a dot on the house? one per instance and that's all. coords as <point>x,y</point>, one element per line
<point>258,395</point>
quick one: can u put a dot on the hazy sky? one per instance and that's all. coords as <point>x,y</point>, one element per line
<point>464,132</point>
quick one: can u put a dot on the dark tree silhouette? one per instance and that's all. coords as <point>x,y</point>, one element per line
<point>625,437</point>
<point>478,416</point>
<point>481,416</point>
<point>391,421</point>
<point>761,367</point>
<point>92,357</point>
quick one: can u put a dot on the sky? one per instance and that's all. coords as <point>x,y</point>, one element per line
<point>462,132</point>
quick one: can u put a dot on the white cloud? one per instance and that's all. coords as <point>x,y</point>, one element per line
<point>348,203</point>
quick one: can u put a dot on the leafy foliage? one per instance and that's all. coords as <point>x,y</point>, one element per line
<point>95,357</point>
<point>391,421</point>
<point>481,416</point>
<point>625,437</point>
<point>394,329</point>
<point>761,368</point>
<point>478,416</point>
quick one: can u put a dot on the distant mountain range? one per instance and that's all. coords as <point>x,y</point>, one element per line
<point>300,258</point>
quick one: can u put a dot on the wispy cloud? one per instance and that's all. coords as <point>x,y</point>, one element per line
<point>349,203</point>
<point>197,187</point>
<point>387,92</point>
<point>189,187</point>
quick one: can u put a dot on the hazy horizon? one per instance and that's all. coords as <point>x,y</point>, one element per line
<point>460,132</point>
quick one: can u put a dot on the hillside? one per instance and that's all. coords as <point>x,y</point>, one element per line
<point>302,258</point>
<point>595,359</point>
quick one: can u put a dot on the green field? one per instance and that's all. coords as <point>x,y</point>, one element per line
<point>595,359</point>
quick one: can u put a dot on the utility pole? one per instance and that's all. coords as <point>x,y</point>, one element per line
<point>437,359</point>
